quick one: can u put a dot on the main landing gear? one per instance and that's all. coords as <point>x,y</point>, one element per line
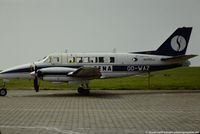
<point>84,89</point>
<point>3,90</point>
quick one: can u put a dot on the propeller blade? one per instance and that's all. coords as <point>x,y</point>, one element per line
<point>36,85</point>
<point>35,82</point>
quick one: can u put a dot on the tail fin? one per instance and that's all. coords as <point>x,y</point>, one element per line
<point>176,44</point>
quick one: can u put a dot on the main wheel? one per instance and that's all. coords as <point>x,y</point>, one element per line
<point>80,90</point>
<point>83,91</point>
<point>3,92</point>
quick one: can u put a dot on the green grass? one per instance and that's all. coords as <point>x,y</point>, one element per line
<point>179,78</point>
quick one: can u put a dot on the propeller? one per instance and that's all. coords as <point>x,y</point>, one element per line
<point>35,81</point>
<point>36,85</point>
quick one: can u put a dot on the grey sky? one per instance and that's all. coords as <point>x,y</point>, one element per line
<point>31,29</point>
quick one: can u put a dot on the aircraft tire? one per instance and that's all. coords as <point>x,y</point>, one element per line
<point>83,91</point>
<point>3,92</point>
<point>86,91</point>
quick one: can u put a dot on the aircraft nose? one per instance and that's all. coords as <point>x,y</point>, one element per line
<point>20,71</point>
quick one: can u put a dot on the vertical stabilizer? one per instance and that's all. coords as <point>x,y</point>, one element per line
<point>176,44</point>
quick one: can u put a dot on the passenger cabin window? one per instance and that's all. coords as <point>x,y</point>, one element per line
<point>71,59</point>
<point>79,60</point>
<point>112,59</point>
<point>85,59</point>
<point>88,59</point>
<point>101,59</point>
<point>92,60</point>
<point>58,59</point>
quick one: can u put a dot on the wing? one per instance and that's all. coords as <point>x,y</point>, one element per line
<point>82,72</point>
<point>86,72</point>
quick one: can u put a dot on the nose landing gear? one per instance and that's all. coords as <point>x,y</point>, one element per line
<point>3,90</point>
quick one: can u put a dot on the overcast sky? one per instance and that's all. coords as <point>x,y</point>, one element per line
<point>32,29</point>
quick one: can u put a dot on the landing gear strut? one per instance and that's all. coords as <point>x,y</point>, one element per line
<point>3,91</point>
<point>84,89</point>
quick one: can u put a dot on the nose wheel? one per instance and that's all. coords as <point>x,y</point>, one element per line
<point>3,92</point>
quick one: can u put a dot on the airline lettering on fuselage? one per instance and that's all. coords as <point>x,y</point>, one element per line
<point>132,68</point>
<point>105,68</point>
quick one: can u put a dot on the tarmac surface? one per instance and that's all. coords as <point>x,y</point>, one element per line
<point>103,111</point>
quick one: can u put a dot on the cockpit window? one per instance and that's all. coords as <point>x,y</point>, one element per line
<point>55,59</point>
<point>47,59</point>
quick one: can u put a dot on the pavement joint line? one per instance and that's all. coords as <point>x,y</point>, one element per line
<point>92,110</point>
<point>42,127</point>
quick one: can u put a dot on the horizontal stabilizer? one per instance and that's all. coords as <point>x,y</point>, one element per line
<point>178,58</point>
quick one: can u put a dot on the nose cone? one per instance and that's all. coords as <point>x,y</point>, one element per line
<point>22,71</point>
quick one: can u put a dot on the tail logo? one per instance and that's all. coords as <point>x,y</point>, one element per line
<point>178,43</point>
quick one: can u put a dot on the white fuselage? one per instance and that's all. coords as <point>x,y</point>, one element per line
<point>110,65</point>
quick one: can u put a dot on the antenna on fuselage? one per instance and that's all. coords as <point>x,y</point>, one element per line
<point>114,50</point>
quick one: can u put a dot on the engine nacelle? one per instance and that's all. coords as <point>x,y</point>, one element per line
<point>62,79</point>
<point>56,71</point>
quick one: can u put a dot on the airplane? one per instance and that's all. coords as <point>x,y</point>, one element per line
<point>80,68</point>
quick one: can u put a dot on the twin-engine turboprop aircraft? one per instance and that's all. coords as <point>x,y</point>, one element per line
<point>83,67</point>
